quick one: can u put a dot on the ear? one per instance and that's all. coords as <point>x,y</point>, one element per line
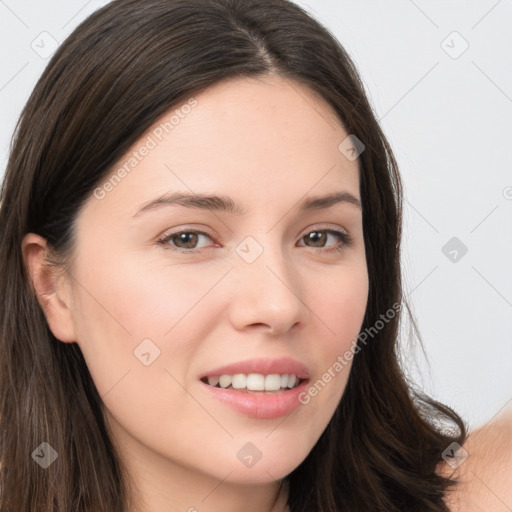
<point>52,289</point>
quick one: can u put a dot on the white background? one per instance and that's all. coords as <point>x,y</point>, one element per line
<point>448,116</point>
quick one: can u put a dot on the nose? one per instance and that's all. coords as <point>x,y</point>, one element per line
<point>266,293</point>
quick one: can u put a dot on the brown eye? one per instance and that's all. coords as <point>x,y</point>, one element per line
<point>320,236</point>
<point>189,240</point>
<point>183,240</point>
<point>317,237</point>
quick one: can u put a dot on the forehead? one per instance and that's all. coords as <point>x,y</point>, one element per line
<point>274,111</point>
<point>264,138</point>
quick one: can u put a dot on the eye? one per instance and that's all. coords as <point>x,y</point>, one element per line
<point>183,240</point>
<point>186,241</point>
<point>319,236</point>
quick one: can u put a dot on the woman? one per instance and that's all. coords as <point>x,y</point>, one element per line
<point>200,276</point>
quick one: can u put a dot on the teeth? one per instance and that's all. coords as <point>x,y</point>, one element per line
<point>225,381</point>
<point>239,381</point>
<point>213,381</point>
<point>273,382</point>
<point>255,381</point>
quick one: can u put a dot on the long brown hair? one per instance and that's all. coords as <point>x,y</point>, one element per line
<point>114,76</point>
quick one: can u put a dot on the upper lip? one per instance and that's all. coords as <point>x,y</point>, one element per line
<point>266,366</point>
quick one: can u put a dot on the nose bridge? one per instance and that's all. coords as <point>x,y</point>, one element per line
<point>269,289</point>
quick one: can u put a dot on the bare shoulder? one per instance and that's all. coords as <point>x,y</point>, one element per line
<point>484,477</point>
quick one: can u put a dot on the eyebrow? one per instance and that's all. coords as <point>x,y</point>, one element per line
<point>228,205</point>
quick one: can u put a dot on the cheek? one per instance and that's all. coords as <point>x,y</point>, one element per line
<point>138,337</point>
<point>127,317</point>
<point>139,331</point>
<point>339,305</point>
<point>337,312</point>
<point>141,297</point>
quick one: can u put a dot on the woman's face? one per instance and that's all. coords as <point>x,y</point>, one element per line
<point>268,292</point>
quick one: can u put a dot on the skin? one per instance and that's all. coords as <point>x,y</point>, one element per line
<point>485,476</point>
<point>267,143</point>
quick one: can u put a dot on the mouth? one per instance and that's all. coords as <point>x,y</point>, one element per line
<point>261,388</point>
<point>255,383</point>
<point>267,402</point>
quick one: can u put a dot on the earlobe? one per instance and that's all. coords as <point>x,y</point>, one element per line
<point>50,286</point>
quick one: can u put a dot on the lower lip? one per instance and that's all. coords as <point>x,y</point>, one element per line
<point>260,405</point>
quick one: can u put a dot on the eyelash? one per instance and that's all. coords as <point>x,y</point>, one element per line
<point>346,240</point>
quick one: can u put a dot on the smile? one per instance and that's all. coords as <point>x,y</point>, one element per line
<point>254,382</point>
